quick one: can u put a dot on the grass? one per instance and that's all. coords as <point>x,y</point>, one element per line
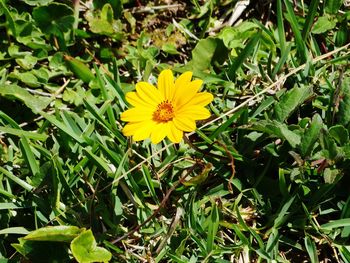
<point>264,179</point>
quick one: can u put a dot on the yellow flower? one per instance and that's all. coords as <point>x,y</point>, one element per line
<point>168,110</point>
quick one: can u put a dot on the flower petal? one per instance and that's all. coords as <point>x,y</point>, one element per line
<point>144,132</point>
<point>184,124</point>
<point>159,132</point>
<point>137,114</point>
<point>131,128</point>
<point>174,134</point>
<point>149,93</point>
<point>135,100</point>
<point>186,93</point>
<point>193,112</point>
<point>181,83</point>
<point>201,99</point>
<point>166,84</point>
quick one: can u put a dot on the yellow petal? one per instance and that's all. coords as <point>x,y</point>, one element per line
<point>144,132</point>
<point>166,84</point>
<point>201,99</point>
<point>137,114</point>
<point>181,83</point>
<point>184,124</point>
<point>193,112</point>
<point>131,128</point>
<point>135,100</point>
<point>186,94</point>
<point>174,134</point>
<point>159,132</point>
<point>149,93</point>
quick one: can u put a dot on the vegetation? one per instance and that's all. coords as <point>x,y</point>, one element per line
<point>264,179</point>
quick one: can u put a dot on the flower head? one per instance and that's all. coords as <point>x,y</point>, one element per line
<point>168,110</point>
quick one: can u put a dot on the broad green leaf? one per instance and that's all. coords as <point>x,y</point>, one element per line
<point>323,24</point>
<point>339,134</point>
<point>9,17</point>
<point>54,18</point>
<point>278,130</point>
<point>311,135</point>
<point>85,249</point>
<point>332,6</point>
<point>205,52</point>
<point>42,251</point>
<point>36,104</point>
<point>54,233</point>
<point>290,101</point>
<point>343,115</point>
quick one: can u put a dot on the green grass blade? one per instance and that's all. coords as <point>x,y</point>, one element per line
<point>29,156</point>
<point>231,72</point>
<point>297,34</point>
<point>280,26</point>
<point>16,179</point>
<point>310,18</point>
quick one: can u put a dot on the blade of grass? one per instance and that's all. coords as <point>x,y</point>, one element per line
<point>243,55</point>
<point>17,180</point>
<point>310,18</point>
<point>297,34</point>
<point>311,249</point>
<point>280,26</point>
<point>22,133</point>
<point>29,156</point>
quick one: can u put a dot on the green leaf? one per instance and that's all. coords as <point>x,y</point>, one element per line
<point>310,17</point>
<point>37,2</point>
<point>323,24</point>
<point>213,227</point>
<point>291,101</point>
<point>36,104</point>
<point>343,115</point>
<point>311,249</point>
<point>333,6</point>
<point>243,55</point>
<point>9,17</point>
<point>277,129</point>
<point>339,134</point>
<point>85,249</point>
<point>29,156</point>
<point>27,134</point>
<point>283,214</point>
<point>336,224</point>
<point>42,251</point>
<point>54,18</point>
<point>54,233</point>
<point>295,28</point>
<point>205,52</point>
<point>311,135</point>
<point>14,230</point>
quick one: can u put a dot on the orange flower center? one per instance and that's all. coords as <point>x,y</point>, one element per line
<point>164,112</point>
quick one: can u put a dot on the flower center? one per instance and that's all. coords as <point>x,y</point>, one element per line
<point>164,112</point>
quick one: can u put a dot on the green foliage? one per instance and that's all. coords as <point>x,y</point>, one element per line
<point>263,180</point>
